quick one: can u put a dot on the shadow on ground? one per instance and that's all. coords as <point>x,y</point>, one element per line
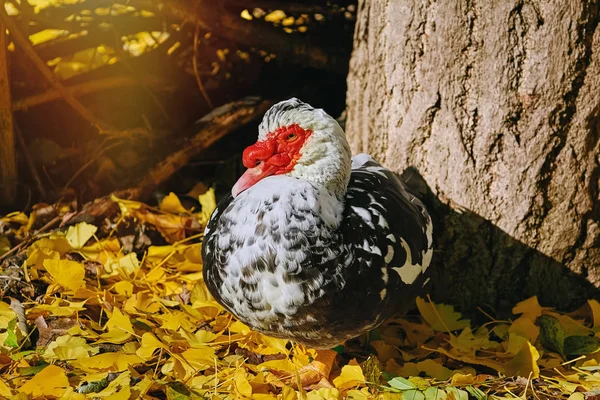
<point>478,265</point>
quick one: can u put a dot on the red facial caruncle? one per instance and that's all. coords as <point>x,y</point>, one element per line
<point>276,155</point>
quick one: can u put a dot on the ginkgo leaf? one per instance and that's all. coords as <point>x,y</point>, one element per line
<point>595,309</point>
<point>530,308</point>
<point>208,204</point>
<point>526,328</point>
<point>78,235</point>
<point>149,344</point>
<point>351,376</point>
<point>111,362</point>
<point>51,381</point>
<point>524,363</point>
<point>441,317</point>
<point>172,204</point>
<point>119,328</point>
<point>67,347</point>
<point>68,274</point>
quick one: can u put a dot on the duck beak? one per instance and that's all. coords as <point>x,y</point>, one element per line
<point>252,176</point>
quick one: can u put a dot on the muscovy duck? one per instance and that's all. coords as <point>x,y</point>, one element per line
<point>313,245</point>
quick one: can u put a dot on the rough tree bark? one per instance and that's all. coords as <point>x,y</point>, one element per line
<point>496,105</point>
<point>8,164</point>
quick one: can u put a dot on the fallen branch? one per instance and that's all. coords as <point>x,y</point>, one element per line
<point>215,125</point>
<point>252,34</point>
<point>85,88</point>
<point>28,49</point>
<point>212,127</point>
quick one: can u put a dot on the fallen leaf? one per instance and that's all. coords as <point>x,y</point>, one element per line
<point>68,274</point>
<point>530,308</point>
<point>441,317</point>
<point>78,235</point>
<point>50,381</point>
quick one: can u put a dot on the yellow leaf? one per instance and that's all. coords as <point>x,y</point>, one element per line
<point>78,235</point>
<point>6,315</point>
<point>149,344</point>
<point>171,204</point>
<point>570,326</point>
<point>17,217</point>
<point>5,390</point>
<point>124,288</point>
<point>468,342</point>
<point>51,381</point>
<point>462,379</point>
<point>324,394</point>
<point>200,358</point>
<point>530,308</point>
<point>434,369</point>
<point>441,317</point>
<point>119,389</point>
<point>524,363</point>
<point>577,396</point>
<point>119,328</point>
<point>351,376</point>
<point>595,308</point>
<point>129,263</point>
<point>111,362</point>
<point>515,343</point>
<point>208,203</point>
<point>57,309</point>
<point>524,326</point>
<point>4,244</point>
<point>287,393</point>
<point>275,16</point>
<point>68,274</point>
<point>67,347</point>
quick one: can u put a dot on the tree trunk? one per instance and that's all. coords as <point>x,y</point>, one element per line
<point>8,165</point>
<point>497,105</point>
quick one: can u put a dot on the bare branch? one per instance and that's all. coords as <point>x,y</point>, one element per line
<point>26,46</point>
<point>215,125</point>
<point>223,23</point>
<point>85,88</point>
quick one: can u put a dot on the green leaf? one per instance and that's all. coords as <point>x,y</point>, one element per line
<point>435,393</point>
<point>401,384</point>
<point>456,394</point>
<point>477,393</point>
<point>12,340</point>
<point>581,345</point>
<point>177,391</point>
<point>552,334</point>
<point>33,370</point>
<point>412,395</point>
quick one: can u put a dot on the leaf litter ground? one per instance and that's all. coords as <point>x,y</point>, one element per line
<point>109,303</point>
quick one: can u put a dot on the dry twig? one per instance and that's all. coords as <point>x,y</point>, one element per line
<point>28,49</point>
<point>84,88</point>
<point>218,123</point>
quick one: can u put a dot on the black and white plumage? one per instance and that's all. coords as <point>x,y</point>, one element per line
<point>314,245</point>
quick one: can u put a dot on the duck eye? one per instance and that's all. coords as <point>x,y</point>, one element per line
<point>291,137</point>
